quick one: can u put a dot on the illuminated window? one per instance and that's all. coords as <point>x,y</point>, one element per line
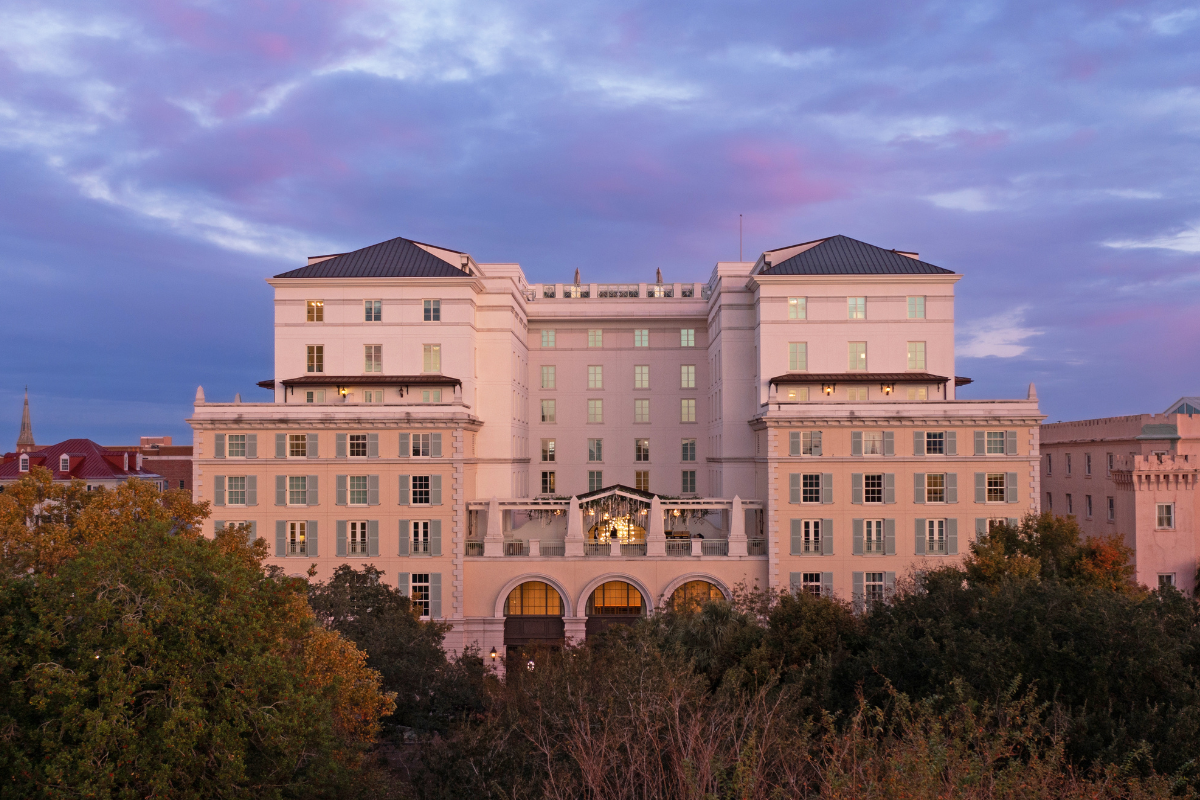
<point>641,376</point>
<point>641,480</point>
<point>547,338</point>
<point>856,307</point>
<point>548,377</point>
<point>797,308</point>
<point>687,411</point>
<point>641,449</point>
<point>533,598</point>
<point>433,357</point>
<point>687,337</point>
<point>595,377</point>
<point>595,337</point>
<point>547,449</point>
<point>857,356</point>
<point>687,376</point>
<point>316,310</point>
<point>641,410</point>
<point>595,411</point>
<point>916,355</point>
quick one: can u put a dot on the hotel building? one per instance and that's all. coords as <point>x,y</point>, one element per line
<point>534,462</point>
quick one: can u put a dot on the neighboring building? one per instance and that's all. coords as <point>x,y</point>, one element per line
<point>1133,476</point>
<point>78,459</point>
<point>172,462</point>
<point>534,462</point>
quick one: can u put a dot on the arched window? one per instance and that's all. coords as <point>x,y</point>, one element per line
<point>616,598</point>
<point>533,598</point>
<point>693,594</point>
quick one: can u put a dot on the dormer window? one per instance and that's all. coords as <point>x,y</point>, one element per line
<point>64,464</point>
<point>24,463</point>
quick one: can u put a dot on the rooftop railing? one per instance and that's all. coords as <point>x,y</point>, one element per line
<point>618,290</point>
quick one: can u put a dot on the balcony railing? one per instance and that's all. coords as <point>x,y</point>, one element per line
<point>555,549</point>
<point>515,548</point>
<point>679,548</point>
<point>660,290</point>
<point>714,548</point>
<point>756,547</point>
<point>633,549</point>
<point>474,548</point>
<point>548,291</point>
<point>574,292</point>
<point>590,549</point>
<point>618,290</point>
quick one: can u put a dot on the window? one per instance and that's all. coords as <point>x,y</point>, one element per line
<point>935,443</point>
<point>689,450</point>
<point>431,395</point>
<point>873,488</point>
<point>687,337</point>
<point>316,358</point>
<point>356,543</point>
<point>433,357</point>
<point>373,358</point>
<point>595,450</point>
<point>1166,580</point>
<point>641,480</point>
<point>358,445</point>
<point>64,464</point>
<point>235,491</point>
<point>595,337</point>
<point>297,490</point>
<point>916,355</point>
<point>641,376</point>
<point>432,310</point>
<point>995,446</point>
<point>547,483</point>
<point>857,307</point>
<point>421,444</point>
<point>420,490</point>
<point>358,490</point>
<point>420,537</point>
<point>810,443</point>
<point>297,534</point>
<point>548,377</point>
<point>857,395</point>
<point>641,410</point>
<point>1049,501</point>
<point>420,593</point>
<point>873,536</point>
<point>872,443</point>
<point>1111,461</point>
<point>687,410</point>
<point>641,449</point>
<point>316,310</point>
<point>810,582</point>
<point>687,376</point>
<point>317,396</point>
<point>595,377</point>
<point>1159,455</point>
<point>372,310</point>
<point>298,445</point>
<point>916,308</point>
<point>996,488</point>
<point>935,487</point>
<point>811,533</point>
<point>797,356</point>
<point>918,393</point>
<point>873,587</point>
<point>935,536</point>
<point>548,414</point>
<point>1087,465</point>
<point>182,485</point>
<point>1049,464</point>
<point>810,487</point>
<point>641,337</point>
<point>235,447</point>
<point>547,338</point>
<point>374,396</point>
<point>1112,509</point>
<point>1087,506</point>
<point>796,393</point>
<point>797,308</point>
<point>858,356</point>
<point>689,481</point>
<point>547,449</point>
<point>1070,504</point>
<point>595,411</point>
<point>1165,516</point>
<point>595,480</point>
<point>1068,461</point>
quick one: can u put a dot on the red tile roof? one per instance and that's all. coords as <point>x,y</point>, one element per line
<point>88,461</point>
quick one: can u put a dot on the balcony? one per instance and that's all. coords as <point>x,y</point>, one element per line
<point>756,547</point>
<point>714,548</point>
<point>590,549</point>
<point>474,548</point>
<point>679,549</point>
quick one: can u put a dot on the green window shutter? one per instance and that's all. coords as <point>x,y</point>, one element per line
<point>857,546</point>
<point>372,490</point>
<point>827,584</point>
<point>405,446</point>
<point>797,537</point>
<point>951,445</point>
<point>314,448</point>
<point>219,446</point>
<point>827,488</point>
<point>218,524</point>
<point>858,596</point>
<point>402,584</point>
<point>373,538</point>
<point>889,443</point>
<point>980,528</point>
<point>280,538</point>
<point>918,443</point>
<point>889,585</point>
<point>980,487</point>
<point>281,490</point>
<point>435,595</point>
<point>253,531</point>
<point>816,443</point>
<point>435,537</point>
<point>281,445</point>
<point>889,537</point>
<point>340,490</point>
<point>313,550</point>
<point>951,487</point>
<point>1010,443</point>
<point>251,445</point>
<point>856,443</point>
<point>826,537</point>
<point>404,536</point>
<point>952,536</point>
<point>919,487</point>
<point>339,445</point>
<point>219,490</point>
<point>404,490</point>
<point>1013,522</point>
<point>310,490</point>
<point>856,488</point>
<point>920,540</point>
<point>341,538</point>
<point>889,487</point>
<point>794,487</point>
<point>1010,487</point>
<point>372,445</point>
<point>435,490</point>
<point>435,445</point>
<point>251,490</point>
<point>794,443</point>
<point>980,443</point>
<point>795,582</point>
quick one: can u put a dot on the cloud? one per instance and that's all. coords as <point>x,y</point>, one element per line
<point>998,336</point>
<point>1175,22</point>
<point>1186,241</point>
<point>963,200</point>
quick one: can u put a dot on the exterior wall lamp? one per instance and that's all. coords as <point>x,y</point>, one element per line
<point>886,388</point>
<point>493,654</point>
<point>828,388</point>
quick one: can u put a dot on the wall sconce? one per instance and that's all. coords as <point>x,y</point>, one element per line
<point>827,388</point>
<point>493,654</point>
<point>886,388</point>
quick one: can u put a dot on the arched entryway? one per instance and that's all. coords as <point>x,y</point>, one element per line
<point>533,618</point>
<point>614,602</point>
<point>693,594</point>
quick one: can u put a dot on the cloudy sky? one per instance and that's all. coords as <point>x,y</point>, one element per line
<point>159,160</point>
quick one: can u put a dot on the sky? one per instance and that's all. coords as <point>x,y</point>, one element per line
<point>160,160</point>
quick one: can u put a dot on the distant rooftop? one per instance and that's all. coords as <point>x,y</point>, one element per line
<point>841,255</point>
<point>395,258</point>
<point>1185,405</point>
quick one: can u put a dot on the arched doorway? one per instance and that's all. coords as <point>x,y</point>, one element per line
<point>613,603</point>
<point>533,618</point>
<point>692,595</point>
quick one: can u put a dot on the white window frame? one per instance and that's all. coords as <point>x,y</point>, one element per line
<point>420,594</point>
<point>797,308</point>
<point>549,412</point>
<point>856,308</point>
<point>872,443</point>
<point>432,358</point>
<point>315,358</point>
<point>796,394</point>
<point>595,451</point>
<point>641,376</point>
<point>595,480</point>
<point>687,480</point>
<point>548,376</point>
<point>873,540</point>
<point>595,407</point>
<point>418,537</point>
<point>232,493</point>
<point>358,541</point>
<point>641,337</point>
<point>641,480</point>
<point>372,311</point>
<point>687,410</point>
<point>296,541</point>
<point>641,451</point>
<point>315,396</point>
<point>641,410</point>
<point>856,355</point>
<point>810,537</point>
<point>431,310</point>
<point>372,358</point>
<point>1169,508</point>
<point>1112,509</point>
<point>935,487</point>
<point>935,537</point>
<point>876,491</point>
<point>297,444</point>
<point>64,464</point>
<point>314,311</point>
<point>548,454</point>
<point>420,445</point>
<point>297,490</point>
<point>595,337</point>
<point>687,449</point>
<point>917,393</point>
<point>810,486</point>
<point>357,490</point>
<point>1000,438</point>
<point>989,489</point>
<point>547,337</point>
<point>916,307</point>
<point>548,482</point>
<point>431,395</point>
<point>687,337</point>
<point>595,376</point>
<point>421,490</point>
<point>874,587</point>
<point>687,376</point>
<point>916,355</point>
<point>797,356</point>
<point>935,436</point>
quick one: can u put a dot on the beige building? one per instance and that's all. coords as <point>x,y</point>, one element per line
<point>535,461</point>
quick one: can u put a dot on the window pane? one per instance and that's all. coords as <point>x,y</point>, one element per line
<point>641,338</point>
<point>916,355</point>
<point>548,377</point>
<point>688,411</point>
<point>548,411</point>
<point>687,379</point>
<point>595,449</point>
<point>797,308</point>
<point>547,338</point>
<point>858,356</point>
<point>595,411</point>
<point>641,376</point>
<point>316,310</point>
<point>798,356</point>
<point>916,308</point>
<point>595,377</point>
<point>595,337</point>
<point>856,307</point>
<point>689,450</point>
<point>687,337</point>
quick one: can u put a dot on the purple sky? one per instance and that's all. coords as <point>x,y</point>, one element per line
<point>160,159</point>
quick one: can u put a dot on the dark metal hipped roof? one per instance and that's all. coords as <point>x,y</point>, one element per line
<point>859,377</point>
<point>841,255</point>
<point>371,380</point>
<point>395,258</point>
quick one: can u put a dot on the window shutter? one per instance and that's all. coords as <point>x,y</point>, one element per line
<point>1010,487</point>
<point>857,546</point>
<point>794,443</point>
<point>856,443</point>
<point>951,487</point>
<point>253,532</point>
<point>918,443</point>
<point>340,492</point>
<point>827,488</point>
<point>889,585</point>
<point>280,538</point>
<point>404,536</point>
<point>889,487</point>
<point>796,582</point>
<point>794,487</point>
<point>372,490</point>
<point>1010,443</point>
<point>219,490</point>
<point>372,445</point>
<point>1013,522</point>
<point>919,487</point>
<point>281,490</point>
<point>435,445</point>
<point>435,537</point>
<point>856,488</point>
<point>219,446</point>
<point>827,584</point>
<point>314,448</point>
<point>980,487</point>
<point>889,537</point>
<point>980,528</point>
<point>952,537</point>
<point>281,445</point>
<point>402,584</point>
<point>951,445</point>
<point>920,540</point>
<point>980,443</point>
<point>816,443</point>
<point>313,551</point>
<point>341,538</point>
<point>889,443</point>
<point>373,538</point>
<point>797,537</point>
<point>826,537</point>
<point>251,445</point>
<point>857,580</point>
<point>339,445</point>
<point>435,595</point>
<point>310,490</point>
<point>404,486</point>
<point>218,524</point>
<point>435,490</point>
<point>405,447</point>
<point>251,490</point>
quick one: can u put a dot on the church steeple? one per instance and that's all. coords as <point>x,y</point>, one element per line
<point>25,440</point>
